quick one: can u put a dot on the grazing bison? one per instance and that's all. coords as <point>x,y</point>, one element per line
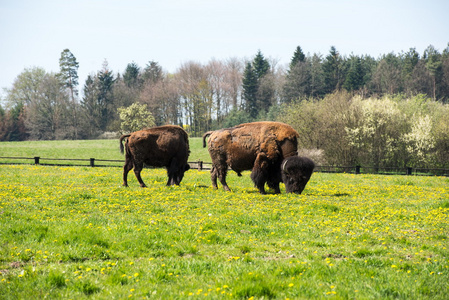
<point>164,146</point>
<point>258,146</point>
<point>296,172</point>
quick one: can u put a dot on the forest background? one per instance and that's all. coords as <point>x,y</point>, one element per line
<point>389,111</point>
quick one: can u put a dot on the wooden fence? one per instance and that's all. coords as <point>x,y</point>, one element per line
<point>200,165</point>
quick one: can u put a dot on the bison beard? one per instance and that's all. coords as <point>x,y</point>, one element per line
<point>257,146</point>
<point>164,146</point>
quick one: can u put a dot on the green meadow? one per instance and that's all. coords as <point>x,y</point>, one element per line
<point>76,233</point>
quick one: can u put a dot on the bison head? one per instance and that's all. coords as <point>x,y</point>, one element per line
<point>296,172</point>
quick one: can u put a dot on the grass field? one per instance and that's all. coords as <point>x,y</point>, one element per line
<point>74,233</point>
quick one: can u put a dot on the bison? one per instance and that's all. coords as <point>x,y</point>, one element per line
<point>296,172</point>
<point>164,146</point>
<point>258,146</point>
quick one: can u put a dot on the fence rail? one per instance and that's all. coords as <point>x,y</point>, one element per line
<point>201,165</point>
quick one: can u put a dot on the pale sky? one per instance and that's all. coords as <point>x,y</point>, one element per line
<point>33,33</point>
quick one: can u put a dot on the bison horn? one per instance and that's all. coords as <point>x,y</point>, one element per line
<point>283,166</point>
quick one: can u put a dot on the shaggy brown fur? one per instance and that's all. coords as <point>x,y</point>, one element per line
<point>164,146</point>
<point>257,146</point>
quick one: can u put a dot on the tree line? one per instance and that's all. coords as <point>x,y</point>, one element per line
<point>202,97</point>
<point>344,129</point>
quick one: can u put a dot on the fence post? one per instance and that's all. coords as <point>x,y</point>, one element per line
<point>357,169</point>
<point>200,165</point>
<point>92,162</point>
<point>36,160</point>
<point>409,171</point>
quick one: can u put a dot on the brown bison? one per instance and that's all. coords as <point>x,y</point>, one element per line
<point>258,146</point>
<point>164,146</point>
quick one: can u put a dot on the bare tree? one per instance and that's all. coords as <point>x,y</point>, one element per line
<point>196,96</point>
<point>234,73</point>
<point>163,100</point>
<point>387,77</point>
<point>224,79</point>
<point>48,114</point>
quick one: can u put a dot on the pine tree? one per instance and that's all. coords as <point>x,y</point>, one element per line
<point>298,82</point>
<point>316,76</point>
<point>68,73</point>
<point>261,65</point>
<point>105,96</point>
<point>298,56</point>
<point>433,65</point>
<point>91,107</point>
<point>333,71</point>
<point>298,78</point>
<point>265,84</point>
<point>354,77</point>
<point>152,72</point>
<point>410,60</point>
<point>131,75</point>
<point>250,90</point>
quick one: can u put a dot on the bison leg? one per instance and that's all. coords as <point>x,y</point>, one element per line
<point>126,168</point>
<point>274,185</point>
<point>173,172</point>
<point>180,174</point>
<point>213,177</point>
<point>259,173</point>
<point>137,169</point>
<point>274,179</point>
<point>219,172</point>
<point>222,177</point>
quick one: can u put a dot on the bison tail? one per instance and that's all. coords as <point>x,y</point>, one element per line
<point>121,141</point>
<point>205,136</point>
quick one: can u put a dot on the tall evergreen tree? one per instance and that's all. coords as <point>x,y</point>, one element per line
<point>91,108</point>
<point>410,60</point>
<point>445,75</point>
<point>316,76</point>
<point>355,76</point>
<point>433,65</point>
<point>297,81</point>
<point>152,72</point>
<point>131,75</point>
<point>265,83</point>
<point>333,71</point>
<point>261,65</point>
<point>250,90</point>
<point>298,56</point>
<point>105,96</point>
<point>68,73</point>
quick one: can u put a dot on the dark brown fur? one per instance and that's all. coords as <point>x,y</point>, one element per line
<point>296,172</point>
<point>164,146</point>
<point>257,146</point>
